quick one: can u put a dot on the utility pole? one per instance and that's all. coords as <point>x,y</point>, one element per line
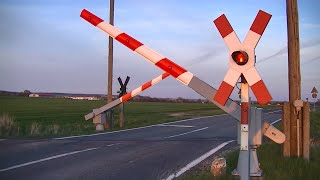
<point>293,51</point>
<point>295,126</point>
<point>110,64</point>
<point>294,69</point>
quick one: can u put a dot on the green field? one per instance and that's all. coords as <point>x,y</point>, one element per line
<point>46,117</point>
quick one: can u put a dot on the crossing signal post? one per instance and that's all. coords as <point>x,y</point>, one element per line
<point>122,92</point>
<point>241,64</point>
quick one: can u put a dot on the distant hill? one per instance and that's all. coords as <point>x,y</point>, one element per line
<point>48,94</point>
<point>137,98</point>
<point>9,93</point>
<point>55,94</point>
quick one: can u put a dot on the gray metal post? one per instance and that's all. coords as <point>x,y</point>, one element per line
<point>243,168</point>
<point>255,140</point>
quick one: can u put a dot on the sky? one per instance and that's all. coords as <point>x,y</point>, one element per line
<point>46,47</point>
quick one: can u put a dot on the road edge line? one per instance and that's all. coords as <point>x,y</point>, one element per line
<point>198,160</point>
<point>51,157</point>
<point>273,111</point>
<point>276,121</point>
<point>189,132</point>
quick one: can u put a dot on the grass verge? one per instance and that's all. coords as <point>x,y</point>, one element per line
<point>273,164</point>
<point>7,125</point>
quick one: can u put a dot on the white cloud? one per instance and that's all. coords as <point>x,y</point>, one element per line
<point>310,26</point>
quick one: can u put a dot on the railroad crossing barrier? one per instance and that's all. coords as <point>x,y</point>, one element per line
<point>221,97</point>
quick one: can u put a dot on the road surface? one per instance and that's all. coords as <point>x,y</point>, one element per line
<point>153,152</point>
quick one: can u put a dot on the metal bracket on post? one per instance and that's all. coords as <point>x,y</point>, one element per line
<point>298,104</point>
<point>256,127</point>
<point>255,139</point>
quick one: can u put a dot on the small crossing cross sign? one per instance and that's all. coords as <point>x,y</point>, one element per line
<point>314,92</point>
<point>123,87</point>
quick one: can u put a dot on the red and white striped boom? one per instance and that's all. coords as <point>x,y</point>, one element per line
<point>127,96</point>
<point>162,62</point>
<point>178,72</point>
<point>136,91</point>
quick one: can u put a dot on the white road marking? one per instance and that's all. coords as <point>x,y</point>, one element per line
<point>198,160</point>
<point>50,158</point>
<point>174,125</point>
<point>273,112</point>
<point>2,139</point>
<point>184,120</point>
<point>186,133</point>
<point>275,121</point>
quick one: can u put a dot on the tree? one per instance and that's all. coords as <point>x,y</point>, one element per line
<point>27,92</point>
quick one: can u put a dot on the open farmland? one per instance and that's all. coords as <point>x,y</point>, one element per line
<point>59,117</point>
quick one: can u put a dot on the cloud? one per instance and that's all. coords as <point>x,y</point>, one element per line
<point>311,60</point>
<point>284,50</point>
<point>206,56</point>
<point>310,25</point>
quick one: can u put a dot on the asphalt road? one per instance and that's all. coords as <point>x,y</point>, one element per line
<point>153,152</point>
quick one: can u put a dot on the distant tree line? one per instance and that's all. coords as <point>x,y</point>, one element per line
<point>175,100</point>
<point>9,93</point>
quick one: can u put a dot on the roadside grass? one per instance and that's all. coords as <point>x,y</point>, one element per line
<point>315,125</point>
<point>273,164</point>
<point>7,125</point>
<point>53,117</point>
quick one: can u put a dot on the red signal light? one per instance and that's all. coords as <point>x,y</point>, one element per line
<point>240,57</point>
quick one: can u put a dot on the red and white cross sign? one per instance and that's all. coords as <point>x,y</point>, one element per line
<point>248,70</point>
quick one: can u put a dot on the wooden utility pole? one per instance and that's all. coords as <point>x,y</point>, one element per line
<point>293,50</point>
<point>294,69</point>
<point>110,63</point>
<point>294,124</point>
<point>121,115</point>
